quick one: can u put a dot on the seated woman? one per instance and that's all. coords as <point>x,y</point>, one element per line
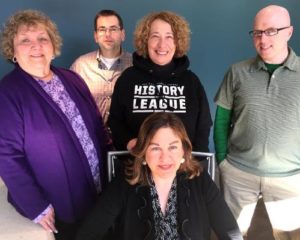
<point>166,195</point>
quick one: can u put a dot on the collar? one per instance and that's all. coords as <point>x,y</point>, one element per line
<point>115,66</point>
<point>291,63</point>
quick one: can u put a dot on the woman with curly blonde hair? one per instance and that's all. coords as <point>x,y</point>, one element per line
<point>52,140</point>
<point>179,26</point>
<point>160,81</point>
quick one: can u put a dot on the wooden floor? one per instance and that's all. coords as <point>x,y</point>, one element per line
<point>260,228</point>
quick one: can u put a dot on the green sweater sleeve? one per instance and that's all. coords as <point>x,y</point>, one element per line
<point>221,132</point>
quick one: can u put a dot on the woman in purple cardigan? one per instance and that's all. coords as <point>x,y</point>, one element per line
<point>52,140</point>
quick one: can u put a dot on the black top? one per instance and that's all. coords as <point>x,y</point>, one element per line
<point>200,207</point>
<point>146,87</point>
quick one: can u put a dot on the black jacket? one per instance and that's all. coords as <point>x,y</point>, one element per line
<point>200,208</point>
<point>146,87</point>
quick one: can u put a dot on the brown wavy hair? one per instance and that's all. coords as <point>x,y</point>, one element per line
<point>28,18</point>
<point>136,172</point>
<point>179,26</point>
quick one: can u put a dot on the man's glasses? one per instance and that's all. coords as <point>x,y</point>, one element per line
<point>111,30</point>
<point>268,32</point>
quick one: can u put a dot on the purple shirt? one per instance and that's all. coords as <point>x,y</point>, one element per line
<point>41,160</point>
<point>61,97</point>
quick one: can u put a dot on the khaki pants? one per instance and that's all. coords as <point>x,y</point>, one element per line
<point>281,195</point>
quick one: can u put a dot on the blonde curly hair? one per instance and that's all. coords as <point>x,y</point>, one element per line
<point>179,26</point>
<point>28,18</point>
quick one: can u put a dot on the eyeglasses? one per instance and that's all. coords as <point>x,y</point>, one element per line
<point>112,30</point>
<point>268,32</point>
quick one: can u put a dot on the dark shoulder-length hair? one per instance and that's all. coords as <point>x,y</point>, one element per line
<point>139,173</point>
<point>179,26</point>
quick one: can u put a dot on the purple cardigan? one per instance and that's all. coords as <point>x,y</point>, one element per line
<point>41,159</point>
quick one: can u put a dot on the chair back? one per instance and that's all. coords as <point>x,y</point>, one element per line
<point>208,162</point>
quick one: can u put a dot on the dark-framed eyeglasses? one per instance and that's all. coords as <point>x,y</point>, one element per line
<point>268,32</point>
<point>111,30</point>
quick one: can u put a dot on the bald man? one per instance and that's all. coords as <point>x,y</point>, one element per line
<point>257,127</point>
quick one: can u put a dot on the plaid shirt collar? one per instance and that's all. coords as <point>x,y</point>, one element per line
<point>115,66</point>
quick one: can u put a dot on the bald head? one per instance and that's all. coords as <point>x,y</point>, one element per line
<point>272,15</point>
<point>272,48</point>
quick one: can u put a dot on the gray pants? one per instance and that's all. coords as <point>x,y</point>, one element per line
<point>281,195</point>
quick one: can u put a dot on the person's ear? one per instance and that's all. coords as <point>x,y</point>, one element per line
<point>290,32</point>
<point>95,37</point>
<point>123,35</point>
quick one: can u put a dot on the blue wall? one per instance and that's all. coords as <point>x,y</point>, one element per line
<point>219,29</point>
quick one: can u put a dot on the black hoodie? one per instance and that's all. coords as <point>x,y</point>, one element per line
<point>146,87</point>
